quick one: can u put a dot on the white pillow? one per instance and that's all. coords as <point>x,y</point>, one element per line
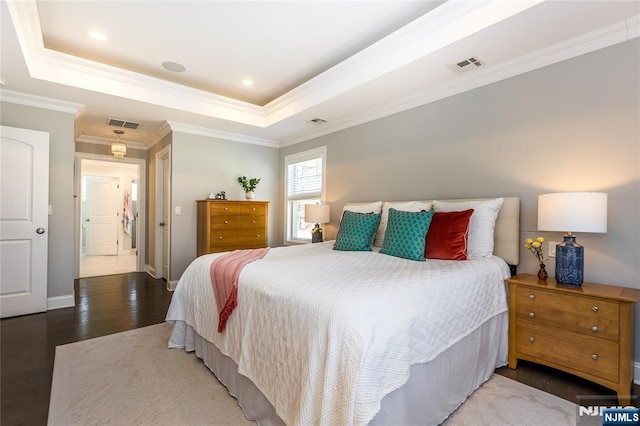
<point>375,207</point>
<point>481,224</point>
<point>406,206</point>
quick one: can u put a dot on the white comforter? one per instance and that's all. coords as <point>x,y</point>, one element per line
<point>325,335</point>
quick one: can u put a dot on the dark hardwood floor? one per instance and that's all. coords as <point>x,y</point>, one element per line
<point>115,303</point>
<point>104,305</point>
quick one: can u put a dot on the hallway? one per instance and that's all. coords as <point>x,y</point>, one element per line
<point>95,266</point>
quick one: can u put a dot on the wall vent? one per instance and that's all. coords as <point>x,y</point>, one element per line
<point>466,65</point>
<point>122,123</point>
<point>317,121</point>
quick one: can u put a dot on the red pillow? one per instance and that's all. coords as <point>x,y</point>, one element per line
<point>447,235</point>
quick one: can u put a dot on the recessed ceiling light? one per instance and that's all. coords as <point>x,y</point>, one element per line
<point>173,66</point>
<point>247,82</point>
<point>97,35</point>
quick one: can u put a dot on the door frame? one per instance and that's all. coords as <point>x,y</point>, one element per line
<point>163,155</point>
<point>142,205</point>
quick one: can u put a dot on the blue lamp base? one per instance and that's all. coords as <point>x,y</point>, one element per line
<point>569,262</point>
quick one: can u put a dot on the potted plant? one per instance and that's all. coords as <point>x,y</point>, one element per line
<point>249,185</point>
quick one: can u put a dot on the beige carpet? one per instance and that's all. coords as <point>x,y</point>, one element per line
<point>131,378</point>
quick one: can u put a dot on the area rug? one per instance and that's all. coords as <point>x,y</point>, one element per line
<point>131,378</point>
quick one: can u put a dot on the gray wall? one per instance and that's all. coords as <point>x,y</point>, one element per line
<point>572,126</point>
<point>201,165</point>
<point>59,125</point>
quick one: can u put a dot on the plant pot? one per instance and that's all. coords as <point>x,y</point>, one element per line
<point>249,195</point>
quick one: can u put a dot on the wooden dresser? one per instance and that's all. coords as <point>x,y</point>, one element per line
<point>586,331</point>
<point>231,225</point>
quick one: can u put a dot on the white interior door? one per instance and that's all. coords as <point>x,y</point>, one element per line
<point>24,197</point>
<point>102,216</point>
<point>165,220</point>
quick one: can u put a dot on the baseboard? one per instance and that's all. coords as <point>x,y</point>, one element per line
<point>59,302</point>
<point>151,271</point>
<point>171,285</point>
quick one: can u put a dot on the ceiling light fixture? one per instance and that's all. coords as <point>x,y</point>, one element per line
<point>118,148</point>
<point>97,35</point>
<point>247,82</point>
<point>174,67</point>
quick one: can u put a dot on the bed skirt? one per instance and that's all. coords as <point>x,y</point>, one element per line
<point>434,389</point>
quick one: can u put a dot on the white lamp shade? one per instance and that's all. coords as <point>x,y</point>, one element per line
<point>316,213</point>
<point>573,212</point>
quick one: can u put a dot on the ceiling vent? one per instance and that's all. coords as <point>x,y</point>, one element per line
<point>123,123</point>
<point>317,121</point>
<point>466,65</point>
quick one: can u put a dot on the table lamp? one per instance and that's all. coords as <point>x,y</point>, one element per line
<point>318,213</point>
<point>572,212</point>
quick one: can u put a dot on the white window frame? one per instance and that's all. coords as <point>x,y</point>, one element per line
<point>298,158</point>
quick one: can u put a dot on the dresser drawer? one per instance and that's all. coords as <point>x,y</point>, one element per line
<point>220,208</point>
<point>253,221</point>
<point>234,237</point>
<point>253,209</point>
<point>224,222</point>
<point>589,324</point>
<point>591,355</point>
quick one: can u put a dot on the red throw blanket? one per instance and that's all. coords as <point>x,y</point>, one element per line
<point>225,271</point>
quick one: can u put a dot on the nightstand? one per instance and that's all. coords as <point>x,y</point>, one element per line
<point>586,331</point>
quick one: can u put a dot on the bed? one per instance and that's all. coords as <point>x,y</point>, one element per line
<point>321,336</point>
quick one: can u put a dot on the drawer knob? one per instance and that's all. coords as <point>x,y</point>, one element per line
<point>226,208</point>
<point>226,222</point>
<point>531,314</point>
<point>594,329</point>
<point>253,208</point>
<point>594,309</point>
<point>257,236</point>
<point>532,296</point>
<point>594,357</point>
<point>532,339</point>
<point>220,237</point>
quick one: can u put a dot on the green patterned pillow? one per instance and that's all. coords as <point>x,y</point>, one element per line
<point>356,231</point>
<point>406,233</point>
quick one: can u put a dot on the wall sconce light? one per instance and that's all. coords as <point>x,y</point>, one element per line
<point>118,148</point>
<point>318,213</point>
<point>572,212</point>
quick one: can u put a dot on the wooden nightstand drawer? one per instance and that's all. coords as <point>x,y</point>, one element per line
<point>569,303</point>
<point>598,357</point>
<point>569,312</point>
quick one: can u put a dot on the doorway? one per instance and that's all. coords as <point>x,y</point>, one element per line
<point>110,216</point>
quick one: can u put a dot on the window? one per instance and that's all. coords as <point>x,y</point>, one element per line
<point>304,184</point>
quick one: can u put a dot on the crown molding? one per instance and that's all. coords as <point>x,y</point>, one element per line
<point>40,102</point>
<point>604,37</point>
<point>219,134</point>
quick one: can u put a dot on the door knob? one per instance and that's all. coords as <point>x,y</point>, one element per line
<point>161,223</point>
<point>40,231</point>
<point>87,220</point>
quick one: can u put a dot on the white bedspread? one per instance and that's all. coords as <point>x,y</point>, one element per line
<point>325,335</point>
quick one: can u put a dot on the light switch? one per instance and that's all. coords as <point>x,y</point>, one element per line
<point>552,248</point>
<point>178,210</point>
<point>50,210</point>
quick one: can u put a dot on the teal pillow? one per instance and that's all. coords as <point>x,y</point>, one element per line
<point>406,234</point>
<point>356,231</point>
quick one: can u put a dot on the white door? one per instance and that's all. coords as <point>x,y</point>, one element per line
<point>24,221</point>
<point>165,219</point>
<point>102,216</point>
